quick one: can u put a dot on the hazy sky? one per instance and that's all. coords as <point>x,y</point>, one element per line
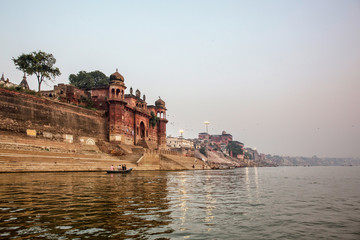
<point>281,76</point>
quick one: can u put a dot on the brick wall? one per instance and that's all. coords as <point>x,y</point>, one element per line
<point>19,112</point>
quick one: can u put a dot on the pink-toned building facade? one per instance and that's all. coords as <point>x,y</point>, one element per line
<point>222,139</point>
<point>130,119</point>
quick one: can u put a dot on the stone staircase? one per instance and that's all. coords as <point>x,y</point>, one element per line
<point>19,153</point>
<point>147,144</point>
<point>178,162</point>
<point>27,154</point>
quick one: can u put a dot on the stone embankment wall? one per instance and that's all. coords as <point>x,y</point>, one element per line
<point>168,160</point>
<point>180,162</point>
<point>23,113</point>
<point>149,161</point>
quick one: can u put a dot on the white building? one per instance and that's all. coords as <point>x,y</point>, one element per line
<point>180,142</point>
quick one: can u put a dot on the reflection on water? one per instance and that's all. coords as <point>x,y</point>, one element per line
<point>249,203</point>
<point>72,205</point>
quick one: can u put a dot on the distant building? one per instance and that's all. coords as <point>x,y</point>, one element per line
<point>173,142</point>
<point>203,136</point>
<point>218,143</point>
<point>222,139</point>
<point>67,93</point>
<point>219,140</point>
<point>6,83</point>
<point>24,84</point>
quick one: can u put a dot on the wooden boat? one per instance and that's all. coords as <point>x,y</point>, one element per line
<point>119,171</point>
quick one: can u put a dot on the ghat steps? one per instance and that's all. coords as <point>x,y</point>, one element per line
<point>19,153</point>
<point>26,154</point>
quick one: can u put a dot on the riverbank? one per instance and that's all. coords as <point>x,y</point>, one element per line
<point>21,153</point>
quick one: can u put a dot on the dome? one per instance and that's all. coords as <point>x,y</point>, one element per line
<point>160,103</point>
<point>116,76</point>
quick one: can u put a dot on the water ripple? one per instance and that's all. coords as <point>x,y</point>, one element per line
<point>253,203</point>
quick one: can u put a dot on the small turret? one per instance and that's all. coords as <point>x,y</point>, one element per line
<point>116,78</point>
<point>24,84</point>
<point>160,103</point>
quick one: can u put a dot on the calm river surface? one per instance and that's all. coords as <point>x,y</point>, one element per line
<point>247,203</point>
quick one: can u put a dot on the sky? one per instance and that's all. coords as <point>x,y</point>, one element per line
<point>280,76</point>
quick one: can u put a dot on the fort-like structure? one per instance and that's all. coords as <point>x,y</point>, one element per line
<point>53,132</point>
<point>129,118</point>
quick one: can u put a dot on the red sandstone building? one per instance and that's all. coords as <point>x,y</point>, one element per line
<point>222,139</point>
<point>130,119</point>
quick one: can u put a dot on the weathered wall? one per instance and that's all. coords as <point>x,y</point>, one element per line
<point>153,135</point>
<point>178,162</point>
<point>99,98</point>
<point>129,126</point>
<point>149,161</point>
<point>19,112</point>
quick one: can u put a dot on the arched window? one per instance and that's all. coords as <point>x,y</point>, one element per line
<point>112,91</point>
<point>117,92</point>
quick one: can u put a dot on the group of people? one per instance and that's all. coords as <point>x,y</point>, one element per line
<point>119,168</point>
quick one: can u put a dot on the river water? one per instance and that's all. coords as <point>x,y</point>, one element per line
<point>246,203</point>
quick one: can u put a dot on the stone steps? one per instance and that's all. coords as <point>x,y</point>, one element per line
<point>40,163</point>
<point>182,162</point>
<point>30,155</point>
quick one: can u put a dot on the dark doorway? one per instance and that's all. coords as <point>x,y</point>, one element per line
<point>142,130</point>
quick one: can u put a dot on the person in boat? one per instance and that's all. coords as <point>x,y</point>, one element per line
<point>112,168</point>
<point>124,166</point>
<point>119,168</point>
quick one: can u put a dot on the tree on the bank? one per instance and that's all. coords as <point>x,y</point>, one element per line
<point>235,148</point>
<point>248,156</point>
<point>87,80</point>
<point>39,63</point>
<point>202,150</point>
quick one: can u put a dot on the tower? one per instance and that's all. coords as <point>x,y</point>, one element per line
<point>161,113</point>
<point>117,104</point>
<point>24,84</point>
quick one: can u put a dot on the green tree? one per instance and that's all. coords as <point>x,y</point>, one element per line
<point>202,150</point>
<point>235,148</point>
<point>87,80</point>
<point>39,63</point>
<point>153,120</point>
<point>248,156</point>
